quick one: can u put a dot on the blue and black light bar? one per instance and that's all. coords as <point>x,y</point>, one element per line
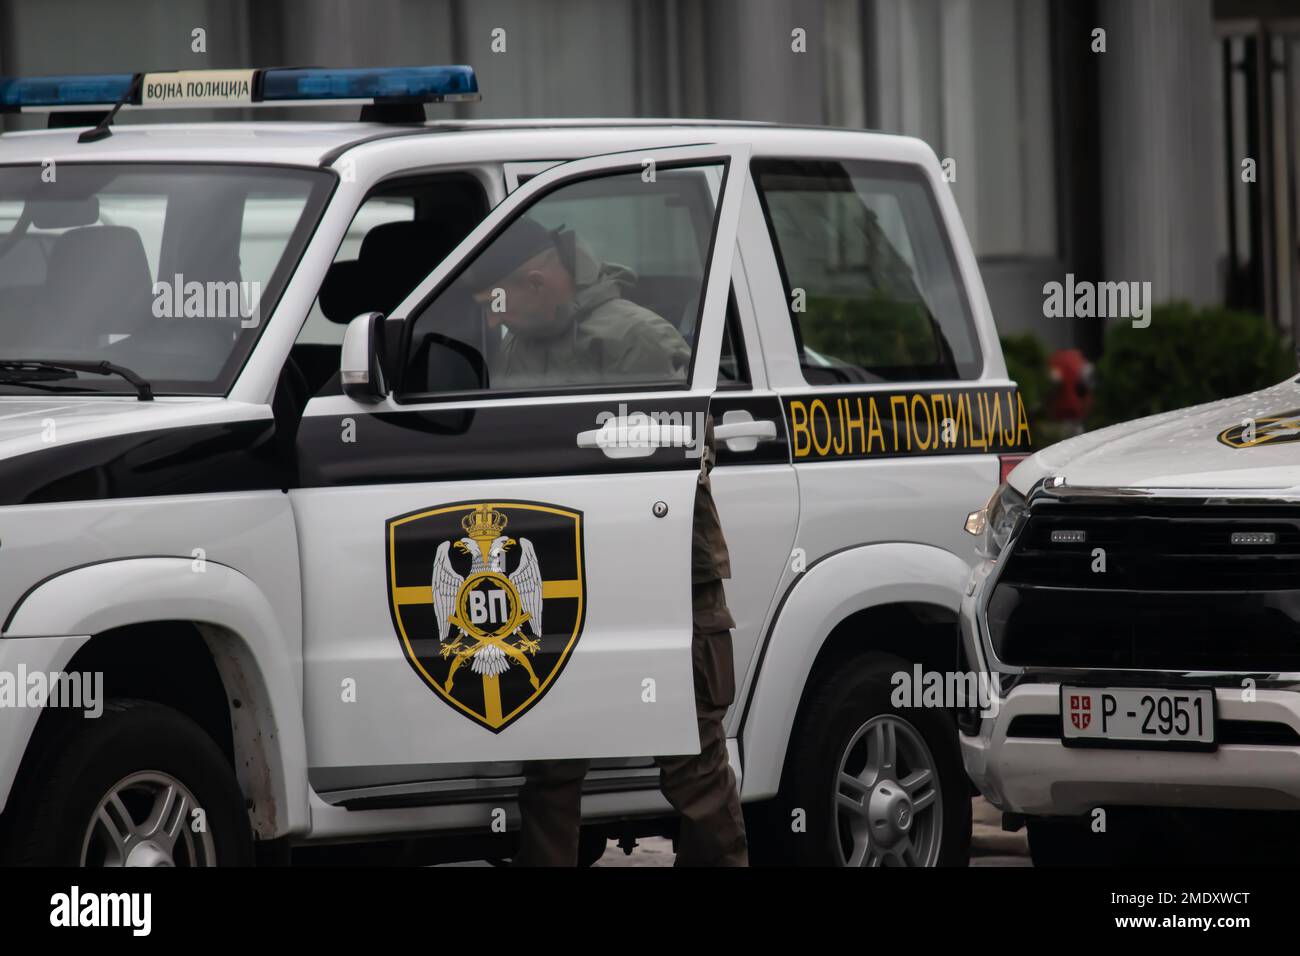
<point>394,90</point>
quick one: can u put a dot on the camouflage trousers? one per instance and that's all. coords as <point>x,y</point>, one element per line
<point>701,787</point>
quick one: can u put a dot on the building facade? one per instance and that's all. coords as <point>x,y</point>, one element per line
<point>1111,155</point>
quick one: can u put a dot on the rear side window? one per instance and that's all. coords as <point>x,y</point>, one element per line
<point>871,280</point>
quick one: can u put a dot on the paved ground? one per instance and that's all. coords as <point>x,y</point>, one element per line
<point>990,846</point>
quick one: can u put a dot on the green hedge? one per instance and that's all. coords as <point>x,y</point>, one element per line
<point>1185,357</point>
<point>1027,358</point>
<point>873,332</point>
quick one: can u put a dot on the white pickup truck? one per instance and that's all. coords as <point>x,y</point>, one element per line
<point>1138,608</point>
<point>282,567</point>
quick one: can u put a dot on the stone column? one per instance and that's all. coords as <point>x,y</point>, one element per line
<point>753,74</point>
<point>1157,144</point>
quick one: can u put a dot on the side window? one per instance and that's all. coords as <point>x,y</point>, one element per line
<point>598,283</point>
<point>871,280</point>
<point>339,293</point>
<point>399,234</point>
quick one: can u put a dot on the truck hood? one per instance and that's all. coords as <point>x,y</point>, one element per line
<point>1204,446</point>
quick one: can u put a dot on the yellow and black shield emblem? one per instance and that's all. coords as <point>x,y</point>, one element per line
<point>1273,430</point>
<point>487,601</point>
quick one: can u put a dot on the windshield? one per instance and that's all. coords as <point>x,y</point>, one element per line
<point>169,271</point>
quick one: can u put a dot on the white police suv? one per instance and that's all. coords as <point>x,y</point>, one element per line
<point>1138,607</point>
<point>287,560</point>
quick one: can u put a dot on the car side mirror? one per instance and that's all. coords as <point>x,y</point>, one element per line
<point>450,365</point>
<point>361,367</point>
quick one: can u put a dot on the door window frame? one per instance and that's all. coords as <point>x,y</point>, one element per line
<point>525,197</point>
<point>403,179</point>
<point>516,174</point>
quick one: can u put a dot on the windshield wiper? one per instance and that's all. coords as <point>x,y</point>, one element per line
<point>142,388</point>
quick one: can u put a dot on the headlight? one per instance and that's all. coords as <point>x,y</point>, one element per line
<point>994,523</point>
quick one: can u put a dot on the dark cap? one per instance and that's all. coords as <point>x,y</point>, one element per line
<point>522,239</point>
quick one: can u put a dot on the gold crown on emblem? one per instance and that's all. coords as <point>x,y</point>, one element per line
<point>484,523</point>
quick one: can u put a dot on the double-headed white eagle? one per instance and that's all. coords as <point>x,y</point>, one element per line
<point>487,659</point>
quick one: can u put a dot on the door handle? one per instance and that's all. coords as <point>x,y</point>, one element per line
<point>636,437</point>
<point>741,433</point>
<point>762,430</point>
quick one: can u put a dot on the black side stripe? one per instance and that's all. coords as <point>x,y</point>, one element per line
<point>516,441</point>
<point>188,460</point>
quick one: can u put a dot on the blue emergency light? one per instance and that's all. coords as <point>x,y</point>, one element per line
<point>382,87</point>
<point>46,91</point>
<point>426,84</point>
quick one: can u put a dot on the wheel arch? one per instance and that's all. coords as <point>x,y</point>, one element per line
<point>149,618</point>
<point>899,598</point>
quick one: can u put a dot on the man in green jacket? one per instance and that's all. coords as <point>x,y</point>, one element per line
<point>567,323</point>
<point>566,319</point>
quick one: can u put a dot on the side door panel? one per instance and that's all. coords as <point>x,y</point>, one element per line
<point>873,457</point>
<point>756,492</point>
<point>390,490</point>
<point>374,624</point>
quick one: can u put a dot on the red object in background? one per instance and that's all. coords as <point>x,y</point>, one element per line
<point>1007,464</point>
<point>1072,375</point>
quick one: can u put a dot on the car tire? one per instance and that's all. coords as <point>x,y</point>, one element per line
<point>121,790</point>
<point>883,820</point>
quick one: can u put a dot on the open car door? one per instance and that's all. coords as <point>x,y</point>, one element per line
<point>499,560</point>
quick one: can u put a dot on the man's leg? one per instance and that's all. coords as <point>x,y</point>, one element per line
<point>550,808</point>
<point>702,787</point>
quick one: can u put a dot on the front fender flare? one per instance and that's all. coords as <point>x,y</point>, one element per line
<point>258,663</point>
<point>829,591</point>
